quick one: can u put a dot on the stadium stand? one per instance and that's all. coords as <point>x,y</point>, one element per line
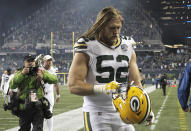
<point>63,17</point>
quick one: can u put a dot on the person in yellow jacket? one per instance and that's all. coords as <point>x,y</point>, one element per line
<point>30,83</point>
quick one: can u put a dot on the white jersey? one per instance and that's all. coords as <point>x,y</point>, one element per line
<point>105,65</point>
<point>49,88</point>
<point>5,83</point>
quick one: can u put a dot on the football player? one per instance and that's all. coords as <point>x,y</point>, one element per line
<point>49,88</point>
<point>5,86</point>
<point>102,60</point>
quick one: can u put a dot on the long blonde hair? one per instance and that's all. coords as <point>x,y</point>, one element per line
<point>103,17</point>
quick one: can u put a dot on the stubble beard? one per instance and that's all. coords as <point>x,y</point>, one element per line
<point>108,42</point>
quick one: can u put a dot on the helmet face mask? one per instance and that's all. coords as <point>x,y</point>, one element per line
<point>134,106</point>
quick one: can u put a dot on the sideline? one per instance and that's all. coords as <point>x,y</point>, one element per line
<point>72,120</point>
<point>159,112</point>
<point>67,121</point>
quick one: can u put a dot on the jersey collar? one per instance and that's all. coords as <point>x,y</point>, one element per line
<point>115,45</point>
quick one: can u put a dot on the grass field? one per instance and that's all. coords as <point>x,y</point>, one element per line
<point>171,117</point>
<point>67,102</point>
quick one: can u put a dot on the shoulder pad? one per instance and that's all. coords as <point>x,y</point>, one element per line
<point>129,39</point>
<point>55,69</point>
<point>124,37</point>
<point>86,39</point>
<point>80,44</point>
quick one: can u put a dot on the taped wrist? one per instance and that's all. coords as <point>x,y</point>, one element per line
<point>99,89</point>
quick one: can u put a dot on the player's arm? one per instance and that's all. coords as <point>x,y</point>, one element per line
<point>77,74</point>
<point>134,71</point>
<point>56,87</point>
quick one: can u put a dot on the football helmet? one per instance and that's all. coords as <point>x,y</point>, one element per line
<point>134,105</point>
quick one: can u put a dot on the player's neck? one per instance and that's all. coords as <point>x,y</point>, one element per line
<point>47,67</point>
<point>106,42</point>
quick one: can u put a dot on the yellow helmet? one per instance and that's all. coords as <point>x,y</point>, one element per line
<point>134,106</point>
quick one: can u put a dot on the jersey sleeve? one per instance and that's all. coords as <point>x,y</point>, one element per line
<point>17,80</point>
<point>49,78</point>
<point>81,46</point>
<point>129,39</point>
<point>132,41</point>
<point>184,86</point>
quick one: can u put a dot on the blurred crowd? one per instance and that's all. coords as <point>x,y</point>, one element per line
<point>63,17</point>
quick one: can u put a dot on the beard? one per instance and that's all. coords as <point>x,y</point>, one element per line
<point>109,41</point>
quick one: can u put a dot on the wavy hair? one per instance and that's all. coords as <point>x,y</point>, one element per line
<point>103,17</point>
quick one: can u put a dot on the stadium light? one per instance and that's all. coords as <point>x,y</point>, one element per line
<point>169,46</point>
<point>174,46</point>
<point>178,45</point>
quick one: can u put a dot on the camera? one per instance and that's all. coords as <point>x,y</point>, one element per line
<point>46,106</point>
<point>13,106</point>
<point>33,70</point>
<point>47,114</point>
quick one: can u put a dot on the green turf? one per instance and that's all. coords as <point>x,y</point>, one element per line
<point>165,119</point>
<point>67,102</point>
<point>169,117</point>
<point>168,120</point>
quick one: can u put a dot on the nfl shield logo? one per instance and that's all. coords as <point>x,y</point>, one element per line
<point>124,47</point>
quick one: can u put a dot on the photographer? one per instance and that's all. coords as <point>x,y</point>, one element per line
<point>31,94</point>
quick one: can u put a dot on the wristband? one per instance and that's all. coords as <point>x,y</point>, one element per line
<point>58,96</point>
<point>99,89</point>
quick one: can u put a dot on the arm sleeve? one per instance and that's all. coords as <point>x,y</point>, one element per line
<point>81,46</point>
<point>17,80</point>
<point>184,86</point>
<point>49,78</point>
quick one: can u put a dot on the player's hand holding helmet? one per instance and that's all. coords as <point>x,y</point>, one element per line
<point>108,88</point>
<point>134,105</point>
<point>111,87</point>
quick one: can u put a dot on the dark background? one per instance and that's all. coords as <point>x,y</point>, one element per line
<point>174,31</point>
<point>14,11</point>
